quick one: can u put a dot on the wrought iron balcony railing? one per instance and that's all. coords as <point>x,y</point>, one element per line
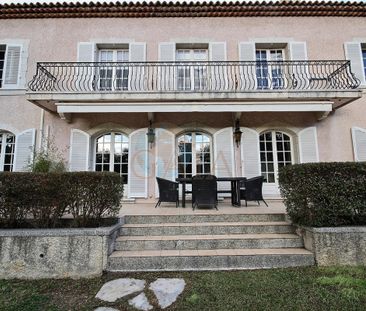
<point>160,77</point>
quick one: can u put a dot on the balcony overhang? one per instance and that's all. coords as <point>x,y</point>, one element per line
<point>194,102</point>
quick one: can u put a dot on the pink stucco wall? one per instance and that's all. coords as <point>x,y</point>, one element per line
<point>57,39</point>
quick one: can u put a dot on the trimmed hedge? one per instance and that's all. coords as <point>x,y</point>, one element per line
<point>41,200</point>
<point>325,194</point>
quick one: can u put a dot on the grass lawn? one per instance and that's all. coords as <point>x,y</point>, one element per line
<point>279,289</point>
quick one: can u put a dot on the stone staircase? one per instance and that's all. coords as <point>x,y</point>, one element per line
<point>207,242</point>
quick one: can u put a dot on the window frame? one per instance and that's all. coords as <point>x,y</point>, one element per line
<point>269,78</point>
<point>194,154</point>
<point>111,158</point>
<point>114,69</point>
<point>203,77</point>
<point>4,135</point>
<point>275,152</point>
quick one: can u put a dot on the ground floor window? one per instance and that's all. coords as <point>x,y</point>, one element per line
<point>111,154</point>
<point>7,149</point>
<point>275,152</point>
<point>194,154</point>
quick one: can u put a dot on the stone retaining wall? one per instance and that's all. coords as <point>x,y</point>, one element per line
<point>55,253</point>
<point>336,246</point>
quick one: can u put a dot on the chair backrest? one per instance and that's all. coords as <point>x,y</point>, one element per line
<point>166,189</point>
<point>253,188</point>
<point>204,189</point>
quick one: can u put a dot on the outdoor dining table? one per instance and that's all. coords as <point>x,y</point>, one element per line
<point>234,191</point>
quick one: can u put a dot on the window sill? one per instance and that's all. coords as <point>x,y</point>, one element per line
<point>12,92</point>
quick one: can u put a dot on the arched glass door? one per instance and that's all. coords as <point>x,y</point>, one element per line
<point>111,154</point>
<point>7,149</point>
<point>275,152</point>
<point>194,154</point>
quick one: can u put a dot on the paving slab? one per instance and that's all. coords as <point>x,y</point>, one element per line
<point>113,290</point>
<point>140,302</point>
<point>167,290</point>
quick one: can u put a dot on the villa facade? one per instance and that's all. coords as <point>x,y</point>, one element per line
<point>164,90</point>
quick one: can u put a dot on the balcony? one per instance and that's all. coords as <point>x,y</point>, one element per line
<point>193,86</point>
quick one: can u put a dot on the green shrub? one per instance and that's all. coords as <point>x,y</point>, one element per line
<point>42,200</point>
<point>325,194</point>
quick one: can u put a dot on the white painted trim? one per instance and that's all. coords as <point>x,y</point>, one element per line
<point>137,43</point>
<point>316,142</point>
<point>354,143</point>
<point>94,50</point>
<point>240,47</point>
<point>166,43</point>
<point>197,107</point>
<point>210,49</point>
<point>16,146</point>
<point>87,148</point>
<point>16,86</point>
<point>145,195</point>
<point>9,128</point>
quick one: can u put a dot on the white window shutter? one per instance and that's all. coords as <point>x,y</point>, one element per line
<point>167,51</point>
<point>217,51</point>
<point>24,149</point>
<point>298,51</point>
<point>247,51</point>
<point>165,156</point>
<point>359,143</point>
<point>79,151</point>
<point>166,54</point>
<point>86,52</point>
<point>224,156</point>
<point>12,66</point>
<point>250,153</point>
<point>138,164</point>
<point>137,52</point>
<point>308,145</point>
<point>354,54</point>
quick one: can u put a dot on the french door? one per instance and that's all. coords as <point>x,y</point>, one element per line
<point>7,150</point>
<point>269,75</point>
<point>113,77</point>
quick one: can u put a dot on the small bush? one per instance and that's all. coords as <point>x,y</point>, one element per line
<point>325,194</point>
<point>41,200</point>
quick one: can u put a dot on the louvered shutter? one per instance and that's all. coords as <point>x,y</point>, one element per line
<point>359,143</point>
<point>165,156</point>
<point>308,145</point>
<point>24,149</point>
<point>137,53</point>
<point>138,164</point>
<point>79,151</point>
<point>354,54</point>
<point>219,74</point>
<point>250,153</point>
<point>224,156</point>
<point>300,73</point>
<point>165,82</point>
<point>247,72</point>
<point>86,75</point>
<point>12,66</point>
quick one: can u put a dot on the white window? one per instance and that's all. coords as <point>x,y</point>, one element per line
<point>191,76</point>
<point>111,154</point>
<point>7,147</point>
<point>269,76</point>
<point>275,152</point>
<point>194,154</point>
<point>113,77</point>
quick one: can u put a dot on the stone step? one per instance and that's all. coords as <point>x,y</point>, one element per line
<point>219,259</point>
<point>225,241</point>
<point>206,228</point>
<point>197,217</point>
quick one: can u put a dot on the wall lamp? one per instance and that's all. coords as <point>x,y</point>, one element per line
<point>237,133</point>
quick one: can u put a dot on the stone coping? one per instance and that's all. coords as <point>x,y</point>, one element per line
<point>101,231</point>
<point>350,229</point>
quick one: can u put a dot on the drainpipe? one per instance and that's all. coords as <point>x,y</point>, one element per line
<point>41,129</point>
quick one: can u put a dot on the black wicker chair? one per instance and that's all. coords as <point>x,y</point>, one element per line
<point>252,190</point>
<point>204,191</point>
<point>168,191</point>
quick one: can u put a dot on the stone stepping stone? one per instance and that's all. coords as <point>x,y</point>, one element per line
<point>105,309</point>
<point>167,290</point>
<point>113,290</point>
<point>140,302</point>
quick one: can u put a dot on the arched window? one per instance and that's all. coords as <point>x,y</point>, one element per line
<point>194,154</point>
<point>111,154</point>
<point>7,148</point>
<point>276,151</point>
